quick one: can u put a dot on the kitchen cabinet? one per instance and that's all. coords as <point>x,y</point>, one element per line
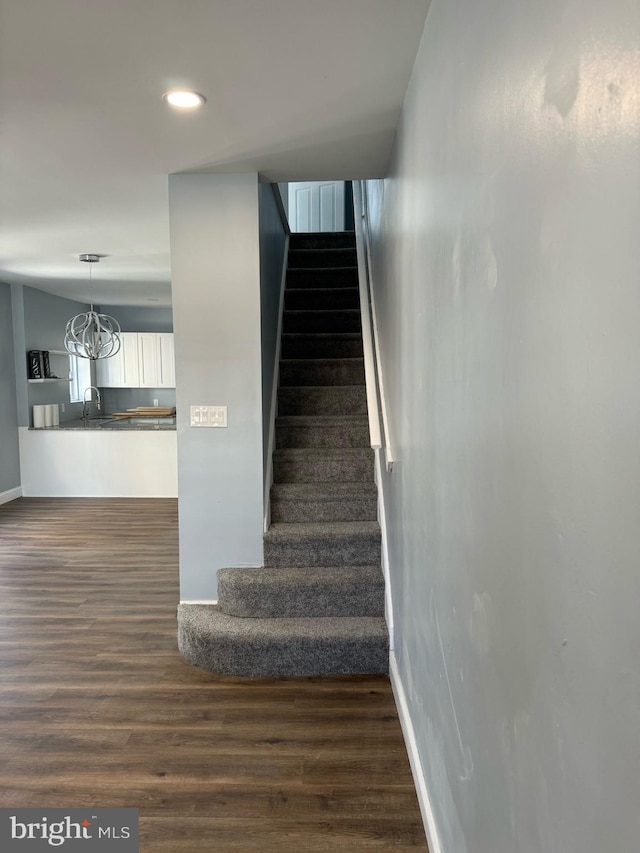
<point>120,370</point>
<point>145,360</point>
<point>167,360</point>
<point>149,361</point>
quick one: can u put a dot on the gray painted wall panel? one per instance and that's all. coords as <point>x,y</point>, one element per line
<point>135,318</point>
<point>9,453</point>
<point>216,311</point>
<point>273,241</point>
<point>506,280</point>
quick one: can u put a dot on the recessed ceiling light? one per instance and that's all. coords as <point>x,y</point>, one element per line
<point>153,300</point>
<point>184,99</point>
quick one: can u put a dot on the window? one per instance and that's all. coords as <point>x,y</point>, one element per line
<point>80,373</point>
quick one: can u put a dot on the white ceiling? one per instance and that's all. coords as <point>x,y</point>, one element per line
<point>296,90</point>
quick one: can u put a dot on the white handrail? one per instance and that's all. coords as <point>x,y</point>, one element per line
<point>376,399</point>
<point>373,407</point>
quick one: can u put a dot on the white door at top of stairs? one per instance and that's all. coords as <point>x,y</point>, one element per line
<point>316,206</point>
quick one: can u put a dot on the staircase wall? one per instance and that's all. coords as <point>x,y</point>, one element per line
<point>506,274</point>
<point>274,232</point>
<point>216,313</point>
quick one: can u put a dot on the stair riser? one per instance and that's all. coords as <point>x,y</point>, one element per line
<point>336,277</point>
<point>316,373</point>
<point>322,258</point>
<point>279,658</point>
<point>336,240</point>
<point>322,401</point>
<point>357,599</point>
<point>348,509</point>
<point>297,322</point>
<point>323,471</point>
<point>341,436</point>
<point>343,551</point>
<point>317,300</point>
<point>306,346</point>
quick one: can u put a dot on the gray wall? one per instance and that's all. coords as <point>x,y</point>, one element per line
<point>135,318</point>
<point>45,319</point>
<point>273,242</point>
<point>216,311</point>
<point>283,189</point>
<point>507,283</point>
<point>9,453</point>
<point>121,399</point>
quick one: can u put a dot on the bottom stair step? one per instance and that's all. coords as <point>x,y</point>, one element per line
<point>298,592</point>
<point>230,645</point>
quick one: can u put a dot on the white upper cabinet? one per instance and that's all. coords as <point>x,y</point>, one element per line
<point>149,360</point>
<point>167,360</point>
<point>120,370</point>
<point>145,360</point>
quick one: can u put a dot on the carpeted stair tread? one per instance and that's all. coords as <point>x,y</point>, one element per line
<point>278,593</point>
<point>344,256</point>
<point>323,277</point>
<point>322,239</point>
<point>323,491</point>
<point>338,530</point>
<point>321,371</point>
<point>322,345</point>
<point>322,464</point>
<point>297,453</point>
<point>322,431</point>
<point>321,298</point>
<point>229,645</point>
<point>324,502</point>
<point>322,400</point>
<point>317,321</point>
<point>346,543</point>
<point>321,420</point>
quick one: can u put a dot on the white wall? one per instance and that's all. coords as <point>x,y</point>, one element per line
<point>216,315</point>
<point>507,277</point>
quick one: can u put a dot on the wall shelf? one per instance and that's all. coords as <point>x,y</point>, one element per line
<point>60,369</point>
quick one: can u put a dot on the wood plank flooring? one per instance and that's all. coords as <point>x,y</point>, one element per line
<point>98,708</point>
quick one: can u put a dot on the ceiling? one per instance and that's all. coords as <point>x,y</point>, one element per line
<point>296,90</point>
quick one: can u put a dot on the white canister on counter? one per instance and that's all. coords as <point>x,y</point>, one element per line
<point>39,416</point>
<point>54,414</point>
<point>48,416</point>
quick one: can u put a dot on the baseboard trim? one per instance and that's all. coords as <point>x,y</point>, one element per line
<point>213,602</point>
<point>424,801</point>
<point>10,495</point>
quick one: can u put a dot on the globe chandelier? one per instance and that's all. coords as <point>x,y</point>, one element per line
<point>92,335</point>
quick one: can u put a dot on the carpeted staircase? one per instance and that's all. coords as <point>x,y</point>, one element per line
<point>317,605</point>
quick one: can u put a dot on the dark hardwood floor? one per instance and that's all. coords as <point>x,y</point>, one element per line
<point>98,708</point>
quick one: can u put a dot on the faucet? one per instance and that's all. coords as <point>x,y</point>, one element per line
<point>85,409</point>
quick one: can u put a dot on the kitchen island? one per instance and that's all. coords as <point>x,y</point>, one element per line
<point>101,457</point>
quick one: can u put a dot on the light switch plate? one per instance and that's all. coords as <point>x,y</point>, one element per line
<point>208,416</point>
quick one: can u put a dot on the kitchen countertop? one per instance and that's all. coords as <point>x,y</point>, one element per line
<point>109,423</point>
